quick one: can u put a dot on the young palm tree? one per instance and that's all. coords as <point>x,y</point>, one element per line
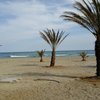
<point>83,55</point>
<point>41,53</point>
<point>53,39</point>
<point>88,18</point>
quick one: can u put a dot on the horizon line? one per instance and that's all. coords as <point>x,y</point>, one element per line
<point>46,50</point>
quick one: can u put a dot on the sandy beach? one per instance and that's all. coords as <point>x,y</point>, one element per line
<point>37,81</point>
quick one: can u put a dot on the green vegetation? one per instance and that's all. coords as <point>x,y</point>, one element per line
<point>88,16</point>
<point>53,39</point>
<point>41,53</point>
<point>83,55</point>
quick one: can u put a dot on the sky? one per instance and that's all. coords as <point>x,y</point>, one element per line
<point>21,21</point>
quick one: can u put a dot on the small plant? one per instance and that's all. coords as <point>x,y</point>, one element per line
<point>83,55</point>
<point>41,53</point>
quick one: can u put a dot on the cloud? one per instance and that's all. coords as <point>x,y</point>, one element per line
<point>24,19</point>
<point>32,16</point>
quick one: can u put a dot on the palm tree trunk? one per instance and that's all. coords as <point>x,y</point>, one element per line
<point>83,59</point>
<point>97,54</point>
<point>41,60</point>
<point>53,58</point>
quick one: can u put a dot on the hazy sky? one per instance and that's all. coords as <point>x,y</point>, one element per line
<point>22,20</point>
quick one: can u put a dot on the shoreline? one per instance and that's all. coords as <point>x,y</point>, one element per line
<point>46,54</point>
<point>44,57</point>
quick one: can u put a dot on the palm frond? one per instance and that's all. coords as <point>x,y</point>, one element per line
<point>45,37</point>
<point>83,54</point>
<point>41,53</point>
<point>89,16</point>
<point>53,38</point>
<point>81,20</point>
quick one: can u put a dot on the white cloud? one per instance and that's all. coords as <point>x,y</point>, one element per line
<point>30,17</point>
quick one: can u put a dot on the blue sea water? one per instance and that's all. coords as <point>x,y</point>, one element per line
<point>47,54</point>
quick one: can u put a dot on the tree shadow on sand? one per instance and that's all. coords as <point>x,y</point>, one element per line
<point>90,79</point>
<point>94,80</point>
<point>24,65</point>
<point>42,66</point>
<point>89,66</point>
<point>47,75</point>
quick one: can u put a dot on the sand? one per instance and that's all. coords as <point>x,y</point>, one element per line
<point>37,81</point>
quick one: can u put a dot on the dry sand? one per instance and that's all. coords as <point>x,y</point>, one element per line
<point>36,81</point>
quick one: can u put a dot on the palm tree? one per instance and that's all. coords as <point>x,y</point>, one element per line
<point>83,55</point>
<point>41,53</point>
<point>88,18</point>
<point>53,39</point>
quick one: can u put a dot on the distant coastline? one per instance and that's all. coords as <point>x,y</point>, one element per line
<point>63,53</point>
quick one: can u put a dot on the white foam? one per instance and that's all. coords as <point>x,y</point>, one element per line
<point>15,56</point>
<point>61,55</point>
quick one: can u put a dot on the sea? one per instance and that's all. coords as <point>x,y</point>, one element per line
<point>46,54</point>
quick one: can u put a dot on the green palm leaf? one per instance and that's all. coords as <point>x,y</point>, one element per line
<point>53,38</point>
<point>89,16</point>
